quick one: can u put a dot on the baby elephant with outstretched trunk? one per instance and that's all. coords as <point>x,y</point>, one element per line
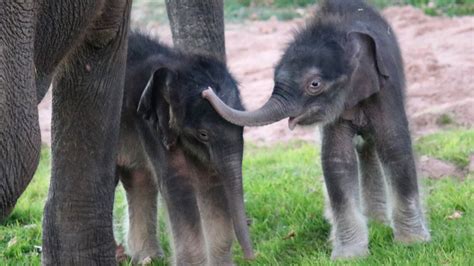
<point>344,71</point>
<point>177,144</point>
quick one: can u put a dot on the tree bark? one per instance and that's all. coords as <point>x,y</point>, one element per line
<point>198,26</point>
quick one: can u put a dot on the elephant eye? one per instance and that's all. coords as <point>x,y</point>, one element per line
<point>202,134</point>
<point>315,84</point>
<point>315,87</point>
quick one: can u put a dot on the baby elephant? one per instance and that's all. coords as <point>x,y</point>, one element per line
<point>344,71</point>
<point>177,144</point>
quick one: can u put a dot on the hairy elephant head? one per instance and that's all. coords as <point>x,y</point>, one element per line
<point>323,72</point>
<point>172,98</point>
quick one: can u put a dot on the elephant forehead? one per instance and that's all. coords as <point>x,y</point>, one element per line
<point>310,74</point>
<point>328,58</point>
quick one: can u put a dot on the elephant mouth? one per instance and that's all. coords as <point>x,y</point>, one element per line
<point>307,118</point>
<point>293,121</point>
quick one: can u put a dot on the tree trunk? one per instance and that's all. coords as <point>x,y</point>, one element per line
<point>198,26</point>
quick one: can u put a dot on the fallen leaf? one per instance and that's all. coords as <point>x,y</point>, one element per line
<point>290,235</point>
<point>12,242</point>
<point>456,215</point>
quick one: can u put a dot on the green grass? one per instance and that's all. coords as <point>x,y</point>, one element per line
<point>238,10</point>
<point>433,7</point>
<point>145,11</point>
<point>454,146</point>
<point>20,234</point>
<point>284,198</point>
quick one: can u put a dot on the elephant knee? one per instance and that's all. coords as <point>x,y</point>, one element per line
<point>109,26</point>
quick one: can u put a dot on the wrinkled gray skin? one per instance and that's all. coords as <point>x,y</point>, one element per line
<point>344,71</point>
<point>177,145</point>
<point>81,46</point>
<point>84,45</point>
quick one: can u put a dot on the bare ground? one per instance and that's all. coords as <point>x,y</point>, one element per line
<point>439,63</point>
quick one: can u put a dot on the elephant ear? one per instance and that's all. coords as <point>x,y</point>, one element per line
<point>365,49</point>
<point>155,107</point>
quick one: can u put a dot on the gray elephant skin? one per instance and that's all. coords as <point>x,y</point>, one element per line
<point>79,46</point>
<point>177,145</point>
<point>344,71</point>
<point>83,45</point>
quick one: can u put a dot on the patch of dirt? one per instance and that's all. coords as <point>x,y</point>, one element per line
<point>436,169</point>
<point>439,64</point>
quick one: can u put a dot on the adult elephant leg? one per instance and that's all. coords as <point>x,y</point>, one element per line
<point>349,230</point>
<point>19,129</point>
<point>217,221</point>
<point>87,96</point>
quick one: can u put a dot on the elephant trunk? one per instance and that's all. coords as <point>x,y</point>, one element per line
<point>275,109</point>
<point>235,200</point>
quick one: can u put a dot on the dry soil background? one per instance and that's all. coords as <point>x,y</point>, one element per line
<point>439,63</point>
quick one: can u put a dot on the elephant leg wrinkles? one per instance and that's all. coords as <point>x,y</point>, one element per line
<point>87,96</point>
<point>19,128</point>
<point>349,229</point>
<point>372,182</point>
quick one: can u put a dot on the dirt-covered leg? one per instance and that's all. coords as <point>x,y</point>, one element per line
<point>341,177</point>
<point>372,182</point>
<point>217,222</point>
<point>142,193</point>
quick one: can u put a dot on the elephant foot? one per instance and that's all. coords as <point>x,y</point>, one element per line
<point>146,257</point>
<point>414,235</point>
<point>349,251</point>
<point>144,253</point>
<point>350,239</point>
<point>409,225</point>
<point>146,261</point>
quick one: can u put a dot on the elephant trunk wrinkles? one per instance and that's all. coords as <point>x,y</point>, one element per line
<point>235,199</point>
<point>275,109</point>
<point>20,140</point>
